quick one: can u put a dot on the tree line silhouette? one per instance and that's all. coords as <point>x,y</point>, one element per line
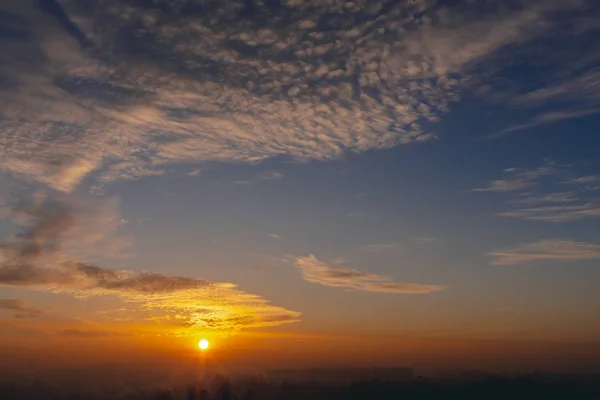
<point>222,388</point>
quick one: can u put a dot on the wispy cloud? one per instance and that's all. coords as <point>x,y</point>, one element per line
<point>550,198</point>
<point>194,172</point>
<point>519,179</point>
<point>271,176</point>
<point>582,86</point>
<point>548,118</point>
<point>546,250</point>
<point>588,183</point>
<point>19,308</point>
<point>425,240</point>
<point>298,84</point>
<point>538,194</point>
<point>36,259</point>
<point>561,213</point>
<point>274,236</point>
<point>318,272</point>
<point>569,88</point>
<point>266,176</point>
<point>380,246</point>
<point>88,334</point>
<point>585,179</point>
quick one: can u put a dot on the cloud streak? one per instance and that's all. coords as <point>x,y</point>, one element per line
<point>559,213</point>
<point>519,179</point>
<point>88,334</point>
<point>538,194</point>
<point>546,250</point>
<point>380,246</point>
<point>20,309</point>
<point>315,271</point>
<point>425,240</point>
<point>35,259</point>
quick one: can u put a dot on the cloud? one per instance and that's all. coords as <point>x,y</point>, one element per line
<point>267,176</point>
<point>36,259</point>
<point>271,176</point>
<point>87,334</point>
<point>548,118</point>
<point>583,86</point>
<point>563,213</point>
<point>274,236</point>
<point>520,179</point>
<point>425,240</point>
<point>563,81</point>
<point>588,183</point>
<point>380,246</point>
<point>539,194</point>
<point>551,198</point>
<point>19,308</point>
<point>87,229</point>
<point>548,249</point>
<point>318,272</point>
<point>109,90</point>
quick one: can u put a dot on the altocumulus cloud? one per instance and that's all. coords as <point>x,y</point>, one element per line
<point>36,259</point>
<point>120,90</point>
<point>318,272</point>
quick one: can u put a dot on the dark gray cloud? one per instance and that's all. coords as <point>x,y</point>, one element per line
<point>19,308</point>
<point>122,89</point>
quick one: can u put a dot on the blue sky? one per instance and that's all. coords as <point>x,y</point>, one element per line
<point>427,167</point>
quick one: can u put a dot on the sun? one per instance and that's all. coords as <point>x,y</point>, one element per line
<point>203,344</point>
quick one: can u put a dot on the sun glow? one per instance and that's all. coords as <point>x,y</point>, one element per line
<point>203,344</point>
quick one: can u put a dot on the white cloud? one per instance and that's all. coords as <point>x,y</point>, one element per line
<point>546,250</point>
<point>318,272</point>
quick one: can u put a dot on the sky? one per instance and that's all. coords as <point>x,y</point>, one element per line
<point>366,182</point>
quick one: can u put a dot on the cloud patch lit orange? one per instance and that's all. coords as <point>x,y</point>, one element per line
<point>35,259</point>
